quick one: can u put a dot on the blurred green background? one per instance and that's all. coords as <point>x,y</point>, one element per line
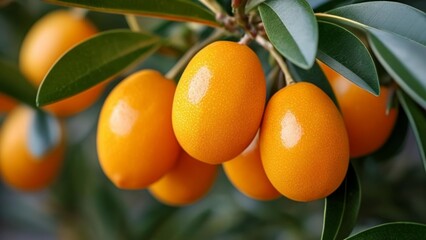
<point>83,203</point>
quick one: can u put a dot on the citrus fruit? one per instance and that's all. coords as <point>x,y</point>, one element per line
<point>135,140</point>
<point>303,143</point>
<point>364,114</point>
<point>247,174</point>
<point>219,102</point>
<point>188,181</point>
<point>47,40</point>
<point>19,167</point>
<point>6,103</point>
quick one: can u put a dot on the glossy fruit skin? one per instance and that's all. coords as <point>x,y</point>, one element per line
<point>47,40</point>
<point>186,183</point>
<point>6,103</point>
<point>247,174</point>
<point>135,140</point>
<point>364,114</point>
<point>304,146</point>
<point>19,168</point>
<point>219,102</point>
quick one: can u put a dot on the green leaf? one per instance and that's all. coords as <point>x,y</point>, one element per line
<point>404,60</point>
<point>395,230</point>
<point>417,119</point>
<point>44,134</point>
<point>252,4</point>
<point>395,143</point>
<point>393,17</point>
<point>344,52</point>
<point>313,75</point>
<point>292,28</point>
<point>341,208</point>
<point>93,61</point>
<point>177,10</point>
<point>15,85</point>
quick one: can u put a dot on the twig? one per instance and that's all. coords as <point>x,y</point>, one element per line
<point>183,61</point>
<point>79,13</point>
<point>132,21</point>
<point>270,48</point>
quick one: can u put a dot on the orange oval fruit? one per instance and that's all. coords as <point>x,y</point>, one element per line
<point>135,140</point>
<point>364,114</point>
<point>187,182</point>
<point>19,168</point>
<point>6,103</point>
<point>247,174</point>
<point>219,102</point>
<point>47,40</point>
<point>304,146</point>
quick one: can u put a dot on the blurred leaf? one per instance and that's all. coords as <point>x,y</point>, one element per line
<point>93,61</point>
<point>152,220</point>
<point>395,230</point>
<point>395,142</point>
<point>341,208</point>
<point>112,212</point>
<point>44,134</point>
<point>313,75</point>
<point>252,4</point>
<point>392,17</point>
<point>177,10</point>
<point>292,28</point>
<point>15,85</point>
<point>417,118</point>
<point>342,51</point>
<point>404,60</point>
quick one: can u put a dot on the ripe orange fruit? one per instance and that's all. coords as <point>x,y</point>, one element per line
<point>135,140</point>
<point>247,174</point>
<point>19,168</point>
<point>47,40</point>
<point>303,143</point>
<point>364,114</point>
<point>6,103</point>
<point>219,102</point>
<point>186,183</point>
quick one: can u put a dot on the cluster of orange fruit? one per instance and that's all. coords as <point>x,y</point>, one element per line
<point>171,138</point>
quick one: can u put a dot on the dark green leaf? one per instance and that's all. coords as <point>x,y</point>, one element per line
<point>396,140</point>
<point>93,61</point>
<point>345,53</point>
<point>44,134</point>
<point>341,208</point>
<point>417,118</point>
<point>395,230</point>
<point>14,84</point>
<point>313,75</point>
<point>393,17</point>
<point>404,60</point>
<point>177,10</point>
<point>292,28</point>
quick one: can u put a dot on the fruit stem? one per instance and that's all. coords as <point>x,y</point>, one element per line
<point>183,61</point>
<point>79,13</point>
<point>245,39</point>
<point>270,48</point>
<point>132,21</point>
